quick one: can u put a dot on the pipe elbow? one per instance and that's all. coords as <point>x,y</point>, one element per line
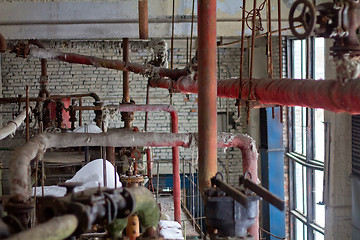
<point>95,97</point>
<point>145,206</point>
<point>36,43</point>
<point>2,43</point>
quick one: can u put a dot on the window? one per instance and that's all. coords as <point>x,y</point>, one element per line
<point>306,147</point>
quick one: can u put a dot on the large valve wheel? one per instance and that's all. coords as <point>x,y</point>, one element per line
<point>306,18</point>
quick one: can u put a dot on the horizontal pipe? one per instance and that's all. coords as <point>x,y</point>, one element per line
<point>145,69</point>
<point>57,228</point>
<point>165,19</point>
<point>12,125</point>
<point>36,147</point>
<point>51,97</point>
<point>231,191</point>
<point>327,94</point>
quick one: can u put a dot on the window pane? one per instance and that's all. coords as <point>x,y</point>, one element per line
<point>300,186</point>
<point>319,135</point>
<point>318,236</point>
<point>319,208</point>
<point>319,57</point>
<point>301,230</point>
<point>300,130</point>
<point>297,59</point>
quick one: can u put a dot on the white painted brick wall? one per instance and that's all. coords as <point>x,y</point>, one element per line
<point>67,78</point>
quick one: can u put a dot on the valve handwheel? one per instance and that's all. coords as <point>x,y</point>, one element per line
<point>306,18</point>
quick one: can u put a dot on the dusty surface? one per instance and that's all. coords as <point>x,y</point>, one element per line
<point>167,207</point>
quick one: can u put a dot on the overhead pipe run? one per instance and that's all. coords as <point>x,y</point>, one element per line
<point>145,69</point>
<point>330,95</point>
<point>51,97</point>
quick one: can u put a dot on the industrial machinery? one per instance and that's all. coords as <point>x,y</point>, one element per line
<point>338,20</point>
<point>107,207</point>
<point>231,211</point>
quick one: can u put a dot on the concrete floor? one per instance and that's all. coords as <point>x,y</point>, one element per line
<point>167,207</point>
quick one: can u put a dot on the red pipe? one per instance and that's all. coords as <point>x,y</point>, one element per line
<point>43,61</point>
<point>2,43</point>
<point>143,19</point>
<point>207,117</point>
<point>20,185</point>
<point>175,149</point>
<point>327,94</point>
<point>145,69</point>
<point>126,96</point>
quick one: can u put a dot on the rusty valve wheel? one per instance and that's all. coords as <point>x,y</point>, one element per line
<point>306,18</point>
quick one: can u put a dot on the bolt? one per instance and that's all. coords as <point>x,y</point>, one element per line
<point>134,231</point>
<point>134,223</point>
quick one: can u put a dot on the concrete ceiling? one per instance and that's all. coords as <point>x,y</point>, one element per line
<point>115,19</point>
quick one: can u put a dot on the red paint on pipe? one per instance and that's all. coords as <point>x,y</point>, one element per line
<point>143,19</point>
<point>207,117</point>
<point>43,61</point>
<point>327,94</point>
<point>146,69</point>
<point>175,149</point>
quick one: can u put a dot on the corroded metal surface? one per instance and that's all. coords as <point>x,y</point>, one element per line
<point>327,94</point>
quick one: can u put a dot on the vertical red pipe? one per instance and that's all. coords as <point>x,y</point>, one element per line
<point>126,97</point>
<point>176,170</point>
<point>126,94</point>
<point>207,92</point>
<point>143,19</point>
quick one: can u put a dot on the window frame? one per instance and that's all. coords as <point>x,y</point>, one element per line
<point>307,161</point>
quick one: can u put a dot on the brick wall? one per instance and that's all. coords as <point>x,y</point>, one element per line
<point>73,78</point>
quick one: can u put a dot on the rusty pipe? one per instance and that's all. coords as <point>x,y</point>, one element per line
<point>327,94</point>
<point>145,69</point>
<point>175,150</point>
<point>51,97</point>
<point>43,60</point>
<point>2,43</point>
<point>19,166</point>
<point>126,95</point>
<point>36,147</point>
<point>143,19</point>
<point>207,94</point>
<point>125,46</point>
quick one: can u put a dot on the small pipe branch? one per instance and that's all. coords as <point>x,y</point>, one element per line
<point>145,69</point>
<point>13,125</point>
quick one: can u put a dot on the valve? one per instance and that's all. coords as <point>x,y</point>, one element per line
<point>306,18</point>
